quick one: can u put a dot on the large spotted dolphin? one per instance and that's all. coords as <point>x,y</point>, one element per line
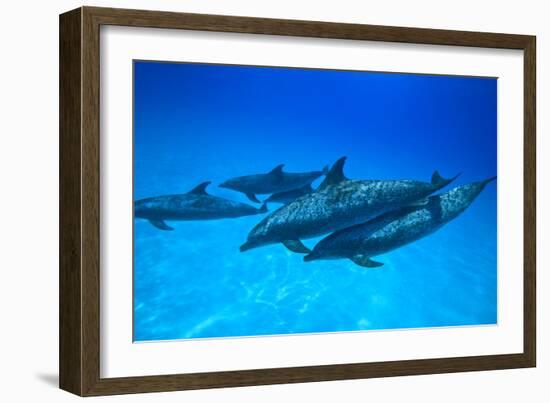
<point>193,205</point>
<point>275,181</point>
<point>337,203</point>
<point>397,228</point>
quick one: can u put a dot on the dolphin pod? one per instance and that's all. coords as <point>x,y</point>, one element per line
<point>338,203</point>
<point>193,205</point>
<point>364,218</point>
<point>275,181</point>
<point>396,228</point>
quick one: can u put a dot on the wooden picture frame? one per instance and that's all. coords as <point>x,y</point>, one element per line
<point>79,346</point>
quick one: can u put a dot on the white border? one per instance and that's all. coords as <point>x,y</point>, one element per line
<point>120,357</point>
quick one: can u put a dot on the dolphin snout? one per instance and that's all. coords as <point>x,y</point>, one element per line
<point>248,245</point>
<point>311,256</point>
<point>139,210</point>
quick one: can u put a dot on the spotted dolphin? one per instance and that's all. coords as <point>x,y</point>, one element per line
<point>396,228</point>
<point>290,195</point>
<point>193,205</point>
<point>337,203</point>
<point>275,181</point>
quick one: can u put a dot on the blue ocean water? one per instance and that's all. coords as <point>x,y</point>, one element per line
<point>197,122</point>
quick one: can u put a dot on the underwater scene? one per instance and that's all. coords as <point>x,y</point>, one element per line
<point>277,201</point>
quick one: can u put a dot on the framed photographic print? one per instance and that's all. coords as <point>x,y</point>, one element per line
<point>249,201</point>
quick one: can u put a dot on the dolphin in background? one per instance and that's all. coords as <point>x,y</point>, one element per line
<point>275,181</point>
<point>193,205</point>
<point>396,228</point>
<point>338,203</point>
<point>289,196</point>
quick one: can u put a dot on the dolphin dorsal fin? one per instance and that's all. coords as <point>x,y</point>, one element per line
<point>200,189</point>
<point>440,181</point>
<point>436,178</point>
<point>278,170</point>
<point>335,175</point>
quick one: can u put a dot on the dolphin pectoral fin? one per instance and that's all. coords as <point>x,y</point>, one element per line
<point>252,197</point>
<point>296,246</point>
<point>365,261</point>
<point>161,225</point>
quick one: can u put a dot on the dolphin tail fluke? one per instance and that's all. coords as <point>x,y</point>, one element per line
<point>263,209</point>
<point>296,246</point>
<point>440,182</point>
<point>161,225</point>
<point>246,246</point>
<point>252,197</point>
<point>365,261</point>
<point>309,257</point>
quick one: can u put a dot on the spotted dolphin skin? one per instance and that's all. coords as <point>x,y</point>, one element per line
<point>194,205</point>
<point>338,203</point>
<point>397,228</point>
<point>275,181</point>
<point>289,196</point>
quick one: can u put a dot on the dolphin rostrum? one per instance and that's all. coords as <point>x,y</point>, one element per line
<point>396,228</point>
<point>275,181</point>
<point>338,203</point>
<point>290,195</point>
<point>193,205</point>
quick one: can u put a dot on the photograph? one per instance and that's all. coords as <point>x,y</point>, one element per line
<point>276,201</point>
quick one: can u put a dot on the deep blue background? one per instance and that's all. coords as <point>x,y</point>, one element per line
<point>197,122</point>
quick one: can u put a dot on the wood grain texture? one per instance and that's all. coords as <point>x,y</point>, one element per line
<point>80,201</point>
<point>316,29</point>
<point>530,202</point>
<point>90,202</point>
<point>162,383</point>
<point>70,271</point>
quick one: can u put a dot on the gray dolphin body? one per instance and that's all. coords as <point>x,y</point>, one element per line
<point>289,196</point>
<point>338,203</point>
<point>397,228</point>
<point>275,181</point>
<point>194,205</point>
